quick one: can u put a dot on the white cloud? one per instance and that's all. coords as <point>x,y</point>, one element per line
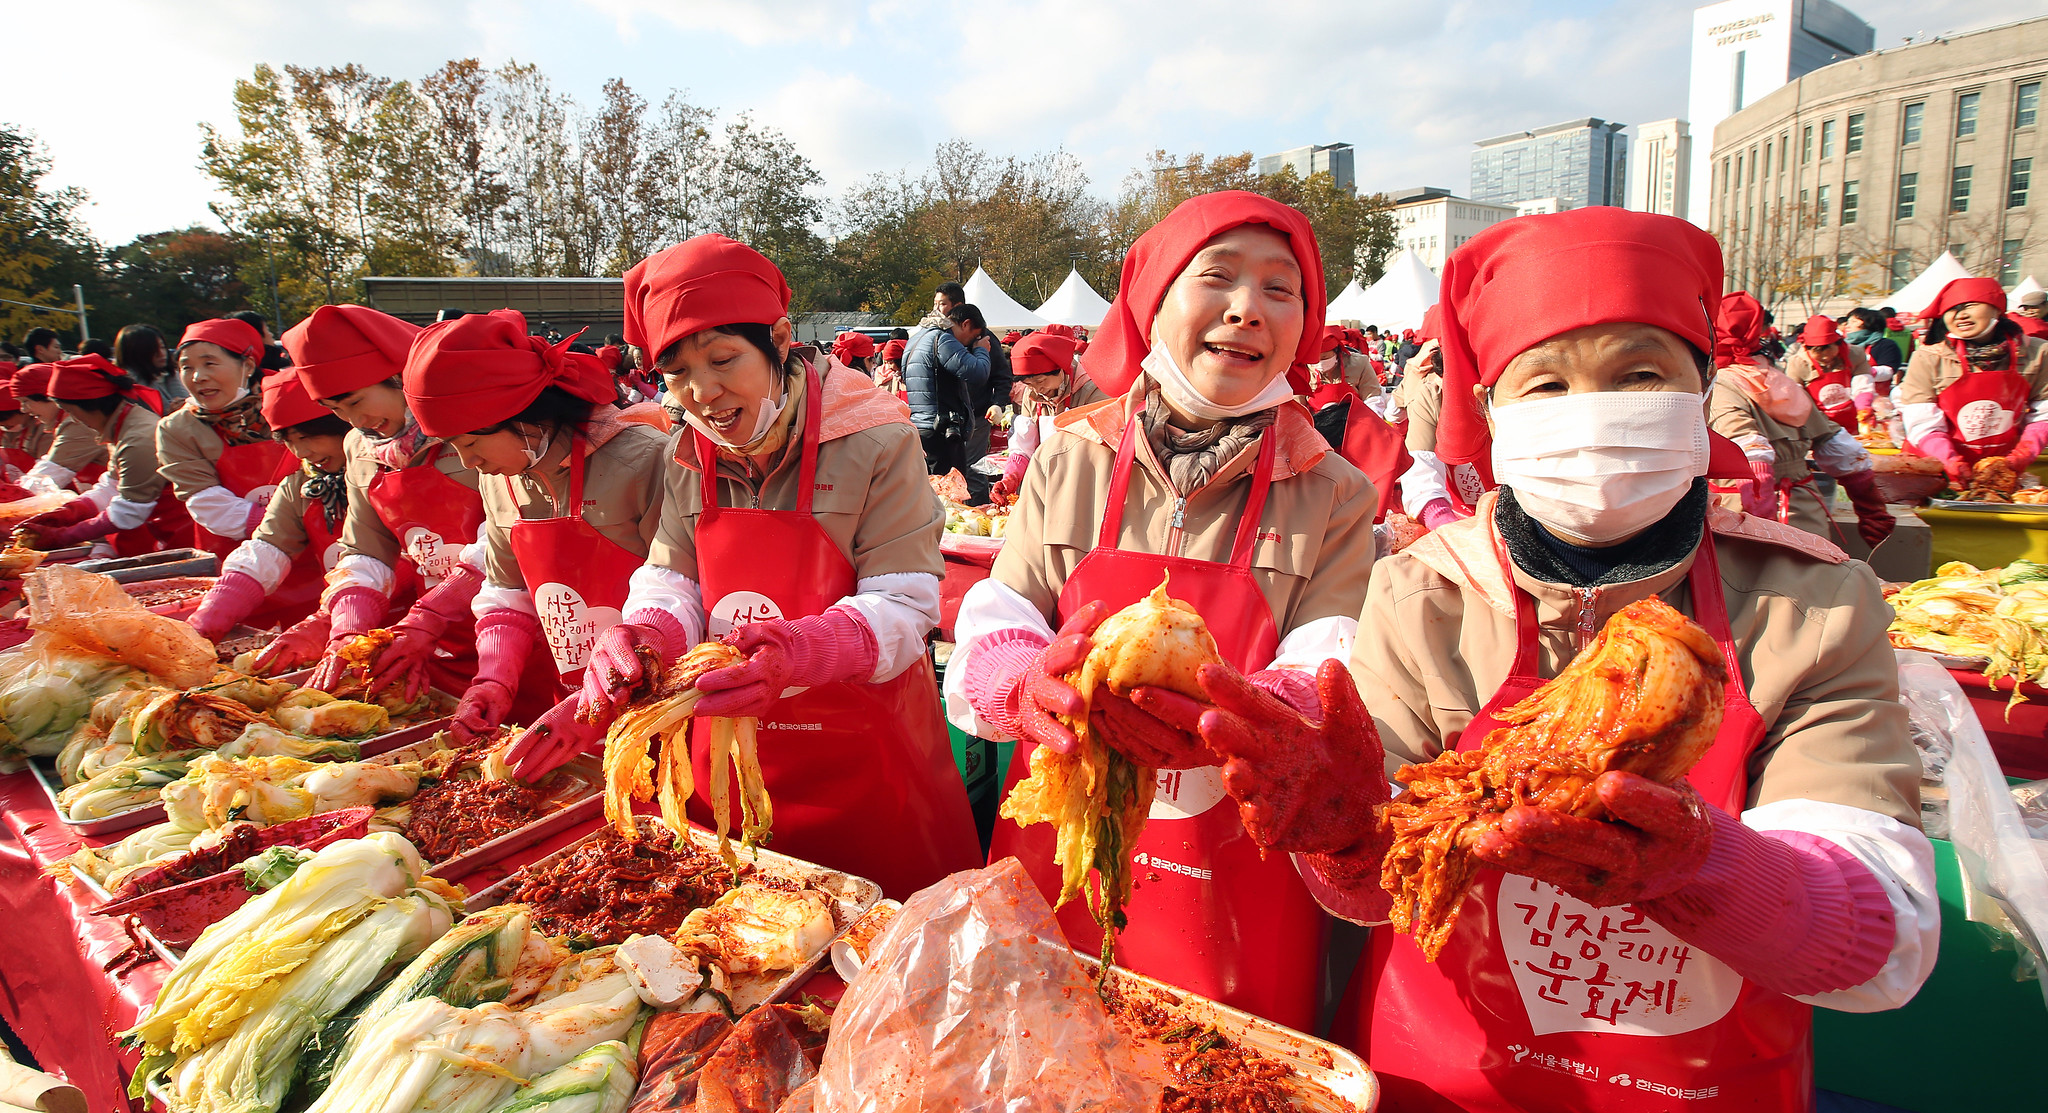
<point>845,125</point>
<point>752,22</point>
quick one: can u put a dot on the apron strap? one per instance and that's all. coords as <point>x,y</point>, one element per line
<point>1248,522</point>
<point>1528,657</point>
<point>1710,605</point>
<point>1119,487</point>
<point>807,467</point>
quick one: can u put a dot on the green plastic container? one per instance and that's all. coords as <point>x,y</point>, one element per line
<point>1969,1041</point>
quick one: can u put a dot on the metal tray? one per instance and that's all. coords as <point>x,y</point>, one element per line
<point>1323,1070</point>
<point>578,796</point>
<point>102,896</point>
<point>1975,507</point>
<point>155,566</point>
<point>851,896</point>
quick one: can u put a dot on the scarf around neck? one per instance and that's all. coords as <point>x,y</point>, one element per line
<point>396,453</point>
<point>239,422</point>
<point>1552,559</point>
<point>330,489</point>
<point>1192,458</point>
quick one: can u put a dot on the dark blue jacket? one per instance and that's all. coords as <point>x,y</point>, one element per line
<point>939,371</point>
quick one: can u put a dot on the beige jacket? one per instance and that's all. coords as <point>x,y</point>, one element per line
<point>363,533</point>
<point>1438,636</point>
<point>1735,415</point>
<point>622,491</point>
<point>131,454</point>
<point>1315,544</point>
<point>186,450</point>
<point>1800,367</point>
<point>74,447</point>
<point>284,520</point>
<point>1359,373</point>
<point>1934,368</point>
<point>1423,397</point>
<point>870,495</point>
<point>33,440</point>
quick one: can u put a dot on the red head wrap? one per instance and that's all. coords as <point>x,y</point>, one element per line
<point>1894,324</point>
<point>1163,252</point>
<point>1043,353</point>
<point>34,379</point>
<point>1819,332</point>
<point>237,338</point>
<point>1738,329</point>
<point>1057,329</point>
<point>850,345</point>
<point>1963,291</point>
<point>10,402</point>
<point>482,369</point>
<point>701,283</point>
<point>285,402</point>
<point>1528,279</point>
<point>612,356</point>
<point>1332,339</point>
<point>90,376</point>
<point>341,348</point>
<point>893,350</point>
<point>1432,324</point>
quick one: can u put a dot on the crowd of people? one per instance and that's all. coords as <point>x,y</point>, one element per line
<point>540,523</point>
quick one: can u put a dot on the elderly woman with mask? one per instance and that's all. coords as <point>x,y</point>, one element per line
<point>1205,467</point>
<point>1681,945</point>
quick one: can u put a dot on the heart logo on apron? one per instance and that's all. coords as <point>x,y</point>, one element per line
<point>1610,970</point>
<point>435,557</point>
<point>1187,793</point>
<point>572,625</point>
<point>1834,395</point>
<point>739,608</point>
<point>1982,420</point>
<point>1470,486</point>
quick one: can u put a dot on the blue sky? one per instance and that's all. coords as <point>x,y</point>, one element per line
<point>116,89</point>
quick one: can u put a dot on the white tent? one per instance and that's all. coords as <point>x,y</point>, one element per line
<point>2027,286</point>
<point>1918,294</point>
<point>1074,303</point>
<point>1399,299</point>
<point>1344,306</point>
<point>999,310</point>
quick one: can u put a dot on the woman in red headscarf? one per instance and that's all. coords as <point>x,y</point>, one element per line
<point>889,369</point>
<point>1836,373</point>
<point>1672,954</point>
<point>72,458</point>
<point>216,450</point>
<point>127,501</point>
<point>1977,387</point>
<point>1208,468</point>
<point>23,439</point>
<point>798,526</point>
<point>854,350</point>
<point>1044,365</point>
<point>277,574</point>
<point>572,493</point>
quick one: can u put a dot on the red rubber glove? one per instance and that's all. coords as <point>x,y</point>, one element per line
<point>1168,735</point>
<point>403,663</point>
<point>1760,494</point>
<point>11,491</point>
<point>69,514</point>
<point>1943,448</point>
<point>1662,839</point>
<point>2033,438</point>
<point>1004,491</point>
<point>295,648</point>
<point>503,641</point>
<point>351,611</point>
<point>835,647</point>
<point>1437,513</point>
<point>59,537</point>
<point>231,599</point>
<point>558,736</point>
<point>1873,522</point>
<point>1024,699</point>
<point>615,667</point>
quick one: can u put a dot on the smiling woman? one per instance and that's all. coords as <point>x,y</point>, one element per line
<point>216,450</point>
<point>1207,470</point>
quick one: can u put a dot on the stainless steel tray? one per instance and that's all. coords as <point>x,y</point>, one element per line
<point>102,896</point>
<point>578,794</point>
<point>851,897</point>
<point>1989,507</point>
<point>1330,1078</point>
<point>155,566</point>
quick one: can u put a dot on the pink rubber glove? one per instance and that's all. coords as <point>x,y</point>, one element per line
<point>1661,841</point>
<point>231,599</point>
<point>1004,491</point>
<point>295,648</point>
<point>615,667</point>
<point>257,508</point>
<point>503,641</point>
<point>351,611</point>
<point>1941,447</point>
<point>1760,494</point>
<point>1170,735</point>
<point>403,663</point>
<point>1016,684</point>
<point>835,647</point>
<point>2033,439</point>
<point>1437,513</point>
<point>555,738</point>
<point>58,537</point>
<point>1790,911</point>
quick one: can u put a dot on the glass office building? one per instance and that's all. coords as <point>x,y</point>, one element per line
<point>1579,162</point>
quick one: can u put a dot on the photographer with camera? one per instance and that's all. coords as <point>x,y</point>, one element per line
<point>941,367</point>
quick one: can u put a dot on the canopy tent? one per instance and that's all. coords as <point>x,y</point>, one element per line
<point>1918,294</point>
<point>2027,286</point>
<point>1074,303</point>
<point>999,310</point>
<point>1344,306</point>
<point>1397,301</point>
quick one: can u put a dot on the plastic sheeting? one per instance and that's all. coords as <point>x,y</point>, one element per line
<point>999,310</point>
<point>1074,303</point>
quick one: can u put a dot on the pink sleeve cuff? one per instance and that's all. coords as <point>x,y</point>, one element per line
<point>675,641</point>
<point>1293,687</point>
<point>1787,910</point>
<point>999,660</point>
<point>1347,884</point>
<point>838,647</point>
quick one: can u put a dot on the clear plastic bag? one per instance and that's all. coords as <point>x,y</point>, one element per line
<point>92,611</point>
<point>1990,837</point>
<point>972,1002</point>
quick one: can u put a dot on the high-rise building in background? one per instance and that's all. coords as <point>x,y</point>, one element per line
<point>1743,49</point>
<point>1331,158</point>
<point>1579,162</point>
<point>1663,168</point>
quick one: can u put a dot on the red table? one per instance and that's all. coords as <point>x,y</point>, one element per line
<point>962,572</point>
<point>2018,738</point>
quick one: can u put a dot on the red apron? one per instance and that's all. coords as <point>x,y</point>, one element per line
<point>434,518</point>
<point>579,579</point>
<point>1543,1002</point>
<point>1379,450</point>
<point>168,525</point>
<point>1985,408</point>
<point>861,774</point>
<point>1209,913</point>
<point>17,459</point>
<point>248,471</point>
<point>1834,392</point>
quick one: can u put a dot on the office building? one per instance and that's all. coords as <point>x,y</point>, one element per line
<point>1847,182</point>
<point>1579,162</point>
<point>1331,158</point>
<point>1742,50</point>
<point>1432,223</point>
<point>1663,168</point>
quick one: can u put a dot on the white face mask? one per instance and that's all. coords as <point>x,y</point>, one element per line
<point>533,454</point>
<point>1600,466</point>
<point>1185,398</point>
<point>764,420</point>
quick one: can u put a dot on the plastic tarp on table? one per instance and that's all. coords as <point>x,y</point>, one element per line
<point>1074,303</point>
<point>999,310</point>
<point>1398,300</point>
<point>1918,294</point>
